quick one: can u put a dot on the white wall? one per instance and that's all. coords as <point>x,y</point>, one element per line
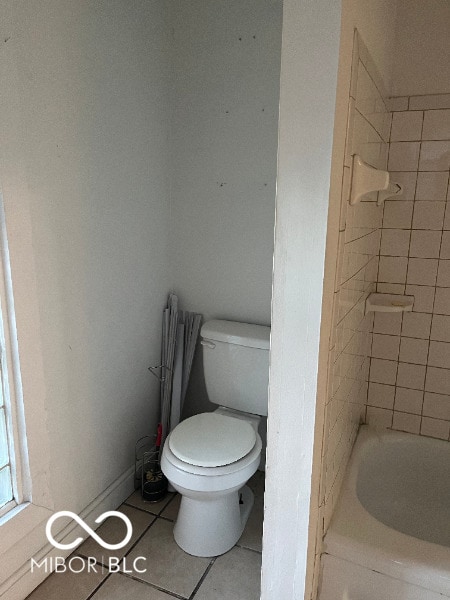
<point>307,99</point>
<point>422,50</point>
<point>226,93</point>
<point>227,68</point>
<point>84,153</point>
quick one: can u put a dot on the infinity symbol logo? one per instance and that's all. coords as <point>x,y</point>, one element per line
<point>98,539</point>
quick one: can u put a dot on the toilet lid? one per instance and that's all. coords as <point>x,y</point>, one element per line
<point>212,440</point>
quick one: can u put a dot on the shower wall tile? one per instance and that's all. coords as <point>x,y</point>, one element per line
<point>432,186</point>
<point>404,156</point>
<point>422,271</point>
<point>388,323</point>
<point>425,244</point>
<point>383,371</point>
<point>370,104</point>
<point>416,325</point>
<point>391,288</point>
<point>435,428</point>
<point>439,355</point>
<point>427,102</point>
<point>434,156</point>
<point>406,126</point>
<point>411,376</point>
<point>392,269</point>
<point>398,103</point>
<point>447,212</point>
<point>443,276</point>
<point>395,242</point>
<point>440,328</point>
<point>436,125</point>
<point>428,215</point>
<point>413,350</point>
<point>408,180</point>
<point>423,297</point>
<point>357,266</point>
<point>445,246</point>
<point>385,346</point>
<point>379,417</point>
<point>406,422</point>
<point>436,406</point>
<point>437,380</point>
<point>381,395</point>
<point>407,400</point>
<point>442,301</point>
<point>415,240</point>
<point>398,214</point>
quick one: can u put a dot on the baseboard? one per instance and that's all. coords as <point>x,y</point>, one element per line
<point>23,582</point>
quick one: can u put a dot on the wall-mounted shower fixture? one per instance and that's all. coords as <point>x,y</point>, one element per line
<point>366,179</point>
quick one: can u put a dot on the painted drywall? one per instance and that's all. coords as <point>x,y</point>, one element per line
<point>307,100</point>
<point>84,126</point>
<point>226,68</point>
<point>422,49</point>
<point>226,93</point>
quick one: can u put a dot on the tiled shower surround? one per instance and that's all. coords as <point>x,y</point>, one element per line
<point>390,370</point>
<point>356,272</point>
<point>409,387</point>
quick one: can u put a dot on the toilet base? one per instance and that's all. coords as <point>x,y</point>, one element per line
<point>212,527</point>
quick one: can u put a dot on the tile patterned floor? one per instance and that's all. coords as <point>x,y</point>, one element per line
<point>170,572</point>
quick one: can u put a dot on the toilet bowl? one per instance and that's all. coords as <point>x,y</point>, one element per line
<point>215,502</point>
<point>209,457</point>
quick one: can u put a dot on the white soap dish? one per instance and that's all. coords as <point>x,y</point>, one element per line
<point>389,303</point>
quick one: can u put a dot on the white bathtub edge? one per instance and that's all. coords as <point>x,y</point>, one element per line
<point>355,536</point>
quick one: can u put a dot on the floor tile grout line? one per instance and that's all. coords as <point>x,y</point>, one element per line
<point>97,562</point>
<point>151,504</point>
<point>247,548</point>
<point>154,586</point>
<point>147,512</point>
<point>175,495</point>
<point>202,578</point>
<point>141,509</point>
<point>166,519</point>
<point>92,594</point>
<point>139,538</point>
<point>130,576</point>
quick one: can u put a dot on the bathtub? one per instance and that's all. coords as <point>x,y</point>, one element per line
<point>389,538</point>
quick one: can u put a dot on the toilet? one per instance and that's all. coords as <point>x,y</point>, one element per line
<point>209,457</point>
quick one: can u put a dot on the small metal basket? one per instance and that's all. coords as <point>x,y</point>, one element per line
<point>148,476</point>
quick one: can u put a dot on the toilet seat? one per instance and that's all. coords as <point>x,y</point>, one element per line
<point>212,440</point>
<point>209,478</point>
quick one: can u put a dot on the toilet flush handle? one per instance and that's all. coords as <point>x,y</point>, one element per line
<point>208,344</point>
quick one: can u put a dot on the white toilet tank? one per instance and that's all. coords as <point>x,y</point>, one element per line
<point>236,365</point>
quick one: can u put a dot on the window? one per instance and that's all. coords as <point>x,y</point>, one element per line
<point>24,485</point>
<point>6,491</point>
<point>14,473</point>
